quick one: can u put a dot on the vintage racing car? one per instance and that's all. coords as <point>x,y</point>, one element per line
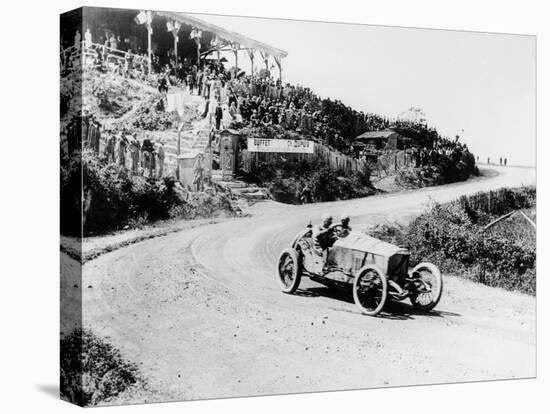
<point>376,270</point>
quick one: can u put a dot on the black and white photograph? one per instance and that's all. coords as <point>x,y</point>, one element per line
<point>274,206</point>
<point>256,206</point>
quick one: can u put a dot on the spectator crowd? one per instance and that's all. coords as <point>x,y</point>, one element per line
<point>233,98</point>
<point>145,157</point>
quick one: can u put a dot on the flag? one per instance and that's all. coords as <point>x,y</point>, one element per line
<point>141,18</point>
<point>195,33</point>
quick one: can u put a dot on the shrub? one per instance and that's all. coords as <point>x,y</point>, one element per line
<point>449,236</point>
<point>286,181</point>
<point>92,370</point>
<point>114,198</point>
<point>150,116</point>
<point>459,166</point>
<point>111,96</point>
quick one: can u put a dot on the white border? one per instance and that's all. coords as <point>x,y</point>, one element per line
<point>30,203</point>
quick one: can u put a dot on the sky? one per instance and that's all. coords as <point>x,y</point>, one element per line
<point>480,86</point>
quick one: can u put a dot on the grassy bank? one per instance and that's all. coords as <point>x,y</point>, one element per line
<point>454,237</point>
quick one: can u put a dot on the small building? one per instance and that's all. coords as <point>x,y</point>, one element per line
<point>230,144</point>
<point>383,140</point>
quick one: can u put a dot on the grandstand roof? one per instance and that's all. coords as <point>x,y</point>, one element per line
<point>243,41</point>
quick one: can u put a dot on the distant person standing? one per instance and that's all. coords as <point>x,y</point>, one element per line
<point>198,170</point>
<point>500,161</point>
<point>110,149</point>
<point>104,49</point>
<point>88,38</point>
<point>162,84</point>
<point>128,62</point>
<point>199,76</point>
<point>488,160</point>
<point>94,134</point>
<point>77,39</point>
<point>147,154</point>
<point>505,161</point>
<point>219,115</point>
<point>113,42</point>
<point>122,146</point>
<point>160,158</point>
<point>152,162</point>
<point>305,194</point>
<point>135,152</point>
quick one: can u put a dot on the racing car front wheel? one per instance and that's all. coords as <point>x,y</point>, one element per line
<point>288,270</point>
<point>428,286</point>
<point>370,290</point>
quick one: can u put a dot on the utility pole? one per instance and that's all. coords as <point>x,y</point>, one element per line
<point>174,27</point>
<point>251,56</point>
<point>280,66</point>
<point>146,17</point>
<point>196,34</point>
<point>149,33</point>
<point>235,47</point>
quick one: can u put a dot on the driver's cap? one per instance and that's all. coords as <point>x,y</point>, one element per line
<point>326,216</point>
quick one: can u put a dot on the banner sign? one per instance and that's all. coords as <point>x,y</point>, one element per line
<point>280,145</point>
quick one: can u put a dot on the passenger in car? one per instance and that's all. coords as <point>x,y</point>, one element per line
<point>343,229</point>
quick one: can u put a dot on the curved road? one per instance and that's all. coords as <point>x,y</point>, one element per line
<point>201,313</point>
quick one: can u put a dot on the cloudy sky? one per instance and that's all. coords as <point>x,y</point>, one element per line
<point>481,83</point>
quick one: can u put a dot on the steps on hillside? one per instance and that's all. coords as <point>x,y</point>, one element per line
<point>240,188</point>
<point>195,139</point>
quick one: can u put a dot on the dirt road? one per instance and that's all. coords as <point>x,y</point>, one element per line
<point>201,313</point>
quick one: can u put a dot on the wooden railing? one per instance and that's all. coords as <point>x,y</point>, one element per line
<point>112,53</point>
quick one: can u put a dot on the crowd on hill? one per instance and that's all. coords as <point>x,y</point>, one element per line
<point>257,100</point>
<point>144,157</point>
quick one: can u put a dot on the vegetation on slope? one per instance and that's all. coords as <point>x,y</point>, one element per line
<point>92,370</point>
<point>116,199</point>
<point>453,237</point>
<point>308,181</point>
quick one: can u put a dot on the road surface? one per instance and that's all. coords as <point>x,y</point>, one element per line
<point>200,311</point>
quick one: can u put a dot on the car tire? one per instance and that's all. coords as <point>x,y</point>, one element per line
<point>289,270</point>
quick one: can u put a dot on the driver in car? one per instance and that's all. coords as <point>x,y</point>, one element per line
<point>323,234</point>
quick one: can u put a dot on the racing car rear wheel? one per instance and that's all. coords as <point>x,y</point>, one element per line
<point>428,286</point>
<point>370,290</point>
<point>289,270</point>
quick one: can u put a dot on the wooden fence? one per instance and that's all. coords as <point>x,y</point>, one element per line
<point>499,201</point>
<point>337,160</point>
<point>249,161</point>
<point>392,161</point>
<point>387,163</point>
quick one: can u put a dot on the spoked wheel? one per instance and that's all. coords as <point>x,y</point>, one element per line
<point>289,270</point>
<point>428,286</point>
<point>370,290</point>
